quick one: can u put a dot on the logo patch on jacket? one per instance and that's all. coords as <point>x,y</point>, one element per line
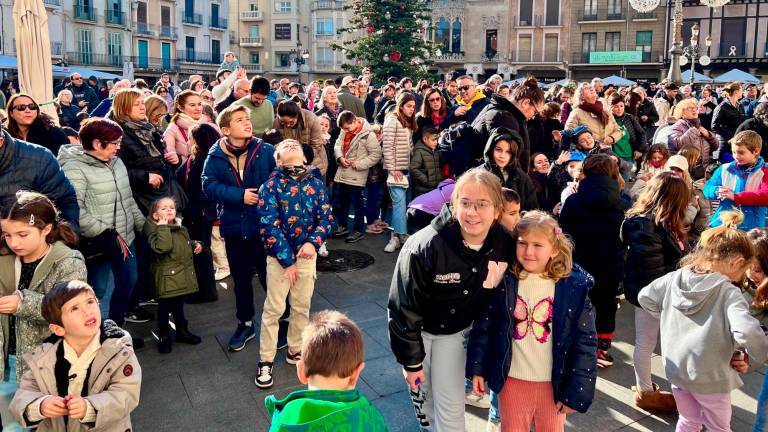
<point>448,278</point>
<point>128,370</point>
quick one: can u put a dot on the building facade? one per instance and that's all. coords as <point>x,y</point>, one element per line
<point>739,33</point>
<point>610,38</point>
<point>155,36</point>
<point>203,35</point>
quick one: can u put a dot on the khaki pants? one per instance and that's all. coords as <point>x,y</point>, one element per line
<point>219,252</point>
<point>278,288</point>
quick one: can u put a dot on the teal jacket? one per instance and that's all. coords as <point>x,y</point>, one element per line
<point>324,411</point>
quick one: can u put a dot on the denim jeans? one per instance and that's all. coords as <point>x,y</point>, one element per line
<point>113,282</point>
<point>7,390</point>
<point>761,425</point>
<point>399,208</point>
<point>246,257</point>
<point>344,197</point>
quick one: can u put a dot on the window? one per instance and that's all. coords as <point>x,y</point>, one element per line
<point>590,8</point>
<point>190,45</point>
<point>443,34</point>
<point>253,57</point>
<point>141,12</point>
<point>643,42</point>
<point>491,43</point>
<point>282,59</point>
<point>189,8</point>
<point>165,16</point>
<point>84,43</point>
<point>524,48</point>
<point>115,49</point>
<point>613,41</point>
<point>253,7</point>
<point>550,47</point>
<point>735,37</point>
<point>324,56</point>
<point>215,15</point>
<point>215,51</point>
<point>324,27</point>
<point>282,6</point>
<point>553,12</point>
<point>614,9</point>
<point>526,12</point>
<point>456,37</point>
<point>282,32</point>
<point>254,31</point>
<point>588,44</point>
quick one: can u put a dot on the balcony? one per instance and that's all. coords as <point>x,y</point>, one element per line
<point>642,16</point>
<point>57,49</point>
<point>600,16</point>
<point>190,18</point>
<point>327,67</point>
<point>251,16</point>
<point>253,42</point>
<point>85,12</point>
<point>114,17</point>
<point>168,32</point>
<point>154,63</point>
<point>199,57</point>
<point>449,57</point>
<point>143,29</point>
<point>218,23</point>
<point>327,5</point>
<point>52,3</point>
<point>254,68</point>
<point>91,59</point>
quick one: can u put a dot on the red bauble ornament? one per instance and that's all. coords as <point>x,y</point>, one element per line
<point>402,7</point>
<point>400,29</point>
<point>422,30</point>
<point>395,56</point>
<point>370,28</point>
<point>333,48</point>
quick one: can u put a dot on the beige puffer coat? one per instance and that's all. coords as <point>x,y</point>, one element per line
<point>397,144</point>
<point>364,150</point>
<point>599,131</point>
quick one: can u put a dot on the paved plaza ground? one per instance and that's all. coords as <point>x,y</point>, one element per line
<point>206,388</point>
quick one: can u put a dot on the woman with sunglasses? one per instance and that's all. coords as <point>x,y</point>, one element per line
<point>432,115</point>
<point>162,91</point>
<point>27,123</point>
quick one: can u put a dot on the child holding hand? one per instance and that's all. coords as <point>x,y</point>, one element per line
<point>173,270</point>
<point>547,367</point>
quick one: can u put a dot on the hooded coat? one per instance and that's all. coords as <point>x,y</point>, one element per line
<point>364,149</point>
<point>714,317</point>
<point>324,410</point>
<point>512,176</point>
<point>500,112</point>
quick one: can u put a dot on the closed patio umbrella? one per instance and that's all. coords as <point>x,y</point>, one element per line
<point>33,48</point>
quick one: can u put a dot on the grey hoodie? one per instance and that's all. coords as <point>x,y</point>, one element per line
<point>704,318</point>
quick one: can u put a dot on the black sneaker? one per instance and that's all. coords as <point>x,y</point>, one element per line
<point>264,375</point>
<point>340,232</point>
<point>138,315</point>
<point>292,358</point>
<point>242,335</point>
<point>150,302</point>
<point>355,237</point>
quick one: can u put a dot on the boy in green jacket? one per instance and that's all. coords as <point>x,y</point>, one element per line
<point>331,362</point>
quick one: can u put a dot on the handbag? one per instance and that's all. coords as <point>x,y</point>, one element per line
<point>104,246</point>
<point>402,183</point>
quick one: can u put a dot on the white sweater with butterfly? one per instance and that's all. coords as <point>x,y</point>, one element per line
<point>532,334</point>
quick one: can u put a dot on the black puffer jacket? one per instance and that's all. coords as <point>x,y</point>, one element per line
<point>592,217</point>
<point>635,131</point>
<point>51,138</point>
<point>437,286</point>
<point>517,179</point>
<point>652,252</point>
<point>25,166</point>
<point>726,118</point>
<point>647,108</point>
<point>500,112</point>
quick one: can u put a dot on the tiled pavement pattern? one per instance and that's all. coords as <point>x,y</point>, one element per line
<point>206,388</point>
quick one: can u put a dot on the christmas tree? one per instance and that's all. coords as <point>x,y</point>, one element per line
<point>388,36</point>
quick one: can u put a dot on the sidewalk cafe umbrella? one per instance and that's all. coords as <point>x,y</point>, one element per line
<point>737,75</point>
<point>617,81</point>
<point>33,48</point>
<point>697,78</point>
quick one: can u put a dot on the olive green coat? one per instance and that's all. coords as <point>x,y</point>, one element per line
<point>62,264</point>
<point>172,262</point>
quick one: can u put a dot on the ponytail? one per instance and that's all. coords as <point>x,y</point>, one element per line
<point>721,243</point>
<point>37,210</point>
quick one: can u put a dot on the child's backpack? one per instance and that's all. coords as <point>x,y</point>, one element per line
<point>457,148</point>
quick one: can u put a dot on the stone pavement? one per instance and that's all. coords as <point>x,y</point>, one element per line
<point>207,388</point>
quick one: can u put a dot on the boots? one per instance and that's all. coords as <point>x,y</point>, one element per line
<point>184,336</point>
<point>654,400</point>
<point>164,345</point>
<point>604,357</point>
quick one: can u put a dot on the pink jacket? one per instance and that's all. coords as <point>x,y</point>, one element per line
<point>176,136</point>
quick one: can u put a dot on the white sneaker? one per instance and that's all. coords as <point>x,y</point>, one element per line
<point>220,275</point>
<point>393,245</point>
<point>323,251</point>
<point>492,427</point>
<point>477,401</point>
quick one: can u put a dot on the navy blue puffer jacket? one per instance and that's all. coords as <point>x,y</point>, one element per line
<point>574,343</point>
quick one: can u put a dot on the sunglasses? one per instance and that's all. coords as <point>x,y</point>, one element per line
<point>24,107</point>
<point>162,91</point>
<point>465,87</point>
<point>208,98</point>
<point>437,99</point>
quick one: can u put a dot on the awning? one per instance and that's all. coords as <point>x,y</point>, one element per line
<point>737,75</point>
<point>560,83</point>
<point>617,81</point>
<point>10,62</point>
<point>697,78</point>
<point>515,82</point>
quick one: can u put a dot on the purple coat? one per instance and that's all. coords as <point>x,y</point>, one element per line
<point>432,201</point>
<point>685,132</point>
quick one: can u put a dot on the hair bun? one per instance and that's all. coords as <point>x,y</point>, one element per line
<point>531,81</point>
<point>732,219</point>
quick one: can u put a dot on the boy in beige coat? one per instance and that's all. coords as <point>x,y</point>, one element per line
<point>85,376</point>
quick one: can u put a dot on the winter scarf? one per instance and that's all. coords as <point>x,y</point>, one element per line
<point>596,109</point>
<point>437,119</point>
<point>144,131</point>
<point>294,170</point>
<point>478,95</point>
<point>236,151</point>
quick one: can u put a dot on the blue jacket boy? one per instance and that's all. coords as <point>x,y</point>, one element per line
<point>750,189</point>
<point>224,185</point>
<point>574,343</point>
<point>293,211</point>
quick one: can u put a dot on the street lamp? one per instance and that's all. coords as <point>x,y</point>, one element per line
<point>693,51</point>
<point>300,57</point>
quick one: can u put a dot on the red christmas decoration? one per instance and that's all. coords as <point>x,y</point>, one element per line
<point>333,48</point>
<point>370,28</point>
<point>395,56</point>
<point>400,29</point>
<point>402,7</point>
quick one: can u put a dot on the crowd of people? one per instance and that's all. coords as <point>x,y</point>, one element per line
<point>522,216</point>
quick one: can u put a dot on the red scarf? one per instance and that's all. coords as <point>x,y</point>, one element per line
<point>437,119</point>
<point>348,138</point>
<point>596,109</point>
